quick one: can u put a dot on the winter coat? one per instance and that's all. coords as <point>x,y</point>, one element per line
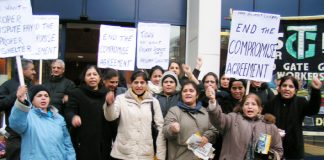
<point>166,102</point>
<point>154,89</point>
<point>290,114</point>
<point>228,104</point>
<point>44,135</point>
<point>190,123</point>
<point>225,89</point>
<point>264,93</point>
<point>134,137</point>
<point>238,132</point>
<point>89,137</point>
<point>58,87</point>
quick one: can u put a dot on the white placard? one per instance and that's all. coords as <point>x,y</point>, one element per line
<point>46,31</point>
<point>153,42</point>
<point>117,47</point>
<point>16,36</point>
<point>252,45</point>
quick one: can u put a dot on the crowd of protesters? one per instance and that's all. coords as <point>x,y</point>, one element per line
<point>100,119</point>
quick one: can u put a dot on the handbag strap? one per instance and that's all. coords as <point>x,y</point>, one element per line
<point>152,110</point>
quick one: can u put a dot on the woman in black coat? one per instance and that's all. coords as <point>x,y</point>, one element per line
<point>84,112</point>
<point>290,111</point>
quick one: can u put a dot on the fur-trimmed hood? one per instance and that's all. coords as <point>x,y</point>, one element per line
<point>269,118</point>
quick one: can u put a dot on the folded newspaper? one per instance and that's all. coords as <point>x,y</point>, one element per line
<point>205,152</point>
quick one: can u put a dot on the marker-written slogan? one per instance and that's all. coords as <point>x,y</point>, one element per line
<point>46,32</point>
<point>15,30</point>
<point>117,47</point>
<point>153,43</point>
<point>252,45</point>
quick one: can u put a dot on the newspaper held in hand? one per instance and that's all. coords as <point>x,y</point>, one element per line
<point>205,152</point>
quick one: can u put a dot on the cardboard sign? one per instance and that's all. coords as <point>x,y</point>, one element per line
<point>153,42</point>
<point>117,47</point>
<point>16,33</point>
<point>252,45</point>
<point>46,32</point>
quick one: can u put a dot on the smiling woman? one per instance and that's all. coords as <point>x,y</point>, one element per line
<point>134,110</point>
<point>290,111</point>
<point>185,119</point>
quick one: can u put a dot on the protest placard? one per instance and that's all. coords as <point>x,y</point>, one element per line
<point>252,45</point>
<point>16,34</point>
<point>300,48</point>
<point>153,42</point>
<point>46,33</point>
<point>117,47</point>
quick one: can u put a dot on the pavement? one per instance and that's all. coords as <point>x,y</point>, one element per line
<point>314,147</point>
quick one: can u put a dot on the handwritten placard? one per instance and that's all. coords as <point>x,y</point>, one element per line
<point>46,32</point>
<point>16,34</point>
<point>252,45</point>
<point>117,47</point>
<point>153,42</point>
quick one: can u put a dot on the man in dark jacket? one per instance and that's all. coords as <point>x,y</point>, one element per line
<point>7,98</point>
<point>58,85</point>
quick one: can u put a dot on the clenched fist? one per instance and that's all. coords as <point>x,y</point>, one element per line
<point>110,97</point>
<point>175,127</point>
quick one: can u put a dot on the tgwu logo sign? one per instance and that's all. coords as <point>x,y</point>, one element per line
<point>300,49</point>
<point>303,33</point>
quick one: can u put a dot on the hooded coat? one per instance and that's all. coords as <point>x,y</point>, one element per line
<point>44,136</point>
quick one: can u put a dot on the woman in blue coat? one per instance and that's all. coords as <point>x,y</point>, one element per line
<point>42,129</point>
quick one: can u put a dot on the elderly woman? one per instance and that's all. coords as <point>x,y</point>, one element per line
<point>42,128</point>
<point>290,111</point>
<point>135,112</point>
<point>184,120</point>
<point>242,130</point>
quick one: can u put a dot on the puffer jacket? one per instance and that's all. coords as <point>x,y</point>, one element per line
<point>238,131</point>
<point>44,136</point>
<point>134,137</point>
